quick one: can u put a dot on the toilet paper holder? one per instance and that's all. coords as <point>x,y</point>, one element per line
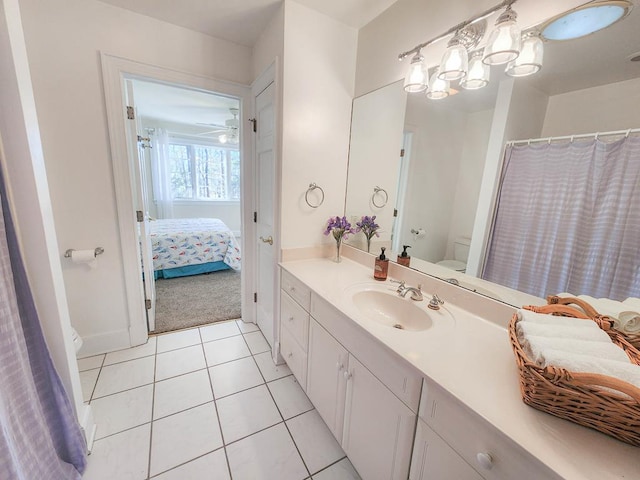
<point>96,252</point>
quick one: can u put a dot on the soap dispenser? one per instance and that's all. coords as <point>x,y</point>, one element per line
<point>381,267</point>
<point>404,258</point>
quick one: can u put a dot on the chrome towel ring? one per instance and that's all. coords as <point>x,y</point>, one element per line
<point>377,190</point>
<point>312,187</point>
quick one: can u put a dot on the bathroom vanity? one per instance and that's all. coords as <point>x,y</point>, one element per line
<point>415,393</point>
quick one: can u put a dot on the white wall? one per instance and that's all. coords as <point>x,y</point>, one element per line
<point>64,39</point>
<point>23,167</point>
<point>318,75</point>
<point>374,158</point>
<point>599,109</point>
<point>472,160</point>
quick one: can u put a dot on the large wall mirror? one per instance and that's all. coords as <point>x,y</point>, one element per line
<point>423,166</point>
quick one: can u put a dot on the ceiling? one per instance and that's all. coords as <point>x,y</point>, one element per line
<point>242,21</point>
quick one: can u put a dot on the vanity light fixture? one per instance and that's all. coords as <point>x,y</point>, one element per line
<point>530,59</point>
<point>455,61</point>
<point>585,19</point>
<point>417,77</point>
<point>438,88</point>
<point>478,74</point>
<point>503,44</point>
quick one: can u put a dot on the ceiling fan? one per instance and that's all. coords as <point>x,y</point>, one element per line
<point>228,133</point>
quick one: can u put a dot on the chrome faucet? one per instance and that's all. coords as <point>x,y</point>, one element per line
<point>416,293</point>
<point>452,281</point>
<point>435,302</point>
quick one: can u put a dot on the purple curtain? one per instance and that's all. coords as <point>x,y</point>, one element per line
<point>39,435</point>
<point>568,219</point>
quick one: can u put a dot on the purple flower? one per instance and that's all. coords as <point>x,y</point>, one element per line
<point>339,227</point>
<point>368,226</point>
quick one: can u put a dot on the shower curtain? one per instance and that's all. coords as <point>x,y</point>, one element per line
<point>39,435</point>
<point>568,219</point>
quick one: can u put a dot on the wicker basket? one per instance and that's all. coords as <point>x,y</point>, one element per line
<point>578,397</point>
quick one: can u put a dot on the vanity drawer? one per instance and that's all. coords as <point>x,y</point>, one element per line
<point>393,371</point>
<point>298,290</point>
<point>295,319</point>
<point>487,450</point>
<point>295,357</point>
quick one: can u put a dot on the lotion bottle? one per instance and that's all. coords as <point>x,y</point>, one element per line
<point>404,259</point>
<point>381,266</point>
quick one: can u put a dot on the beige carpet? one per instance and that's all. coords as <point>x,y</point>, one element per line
<point>190,301</point>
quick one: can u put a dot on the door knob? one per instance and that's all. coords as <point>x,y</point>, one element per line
<point>268,240</point>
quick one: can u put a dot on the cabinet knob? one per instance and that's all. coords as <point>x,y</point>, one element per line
<point>485,460</point>
<point>339,366</point>
<point>290,355</point>
<point>292,289</point>
<point>347,375</point>
<point>290,319</point>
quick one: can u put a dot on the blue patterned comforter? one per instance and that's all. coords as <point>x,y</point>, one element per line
<point>177,242</point>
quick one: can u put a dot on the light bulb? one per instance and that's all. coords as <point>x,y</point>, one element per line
<point>478,74</point>
<point>455,61</point>
<point>504,41</point>
<point>438,88</point>
<point>417,77</point>
<point>223,138</point>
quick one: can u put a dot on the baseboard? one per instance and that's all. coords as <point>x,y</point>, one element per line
<point>88,426</point>
<point>104,343</point>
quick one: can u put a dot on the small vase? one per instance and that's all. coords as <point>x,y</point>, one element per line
<point>368,244</point>
<point>338,259</point>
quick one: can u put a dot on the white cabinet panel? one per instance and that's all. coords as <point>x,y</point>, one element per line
<point>295,319</point>
<point>327,363</point>
<point>295,357</point>
<point>378,427</point>
<point>433,459</point>
<point>298,290</point>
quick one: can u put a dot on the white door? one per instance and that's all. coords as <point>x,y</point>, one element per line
<point>327,364</point>
<point>378,428</point>
<point>265,212</point>
<point>137,145</point>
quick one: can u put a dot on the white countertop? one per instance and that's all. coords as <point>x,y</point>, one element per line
<point>472,359</point>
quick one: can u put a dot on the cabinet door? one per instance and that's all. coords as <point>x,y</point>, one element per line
<point>327,362</point>
<point>433,459</point>
<point>378,428</point>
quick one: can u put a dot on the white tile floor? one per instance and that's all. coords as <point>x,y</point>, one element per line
<point>205,403</point>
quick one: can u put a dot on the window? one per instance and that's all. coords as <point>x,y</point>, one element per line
<point>204,172</point>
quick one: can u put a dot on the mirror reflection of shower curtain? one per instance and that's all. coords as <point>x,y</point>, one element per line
<point>161,173</point>
<point>568,219</point>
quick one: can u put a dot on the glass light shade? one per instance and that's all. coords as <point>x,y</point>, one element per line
<point>530,59</point>
<point>478,74</point>
<point>455,63</point>
<point>417,76</point>
<point>223,138</point>
<point>585,20</point>
<point>438,88</point>
<point>503,44</point>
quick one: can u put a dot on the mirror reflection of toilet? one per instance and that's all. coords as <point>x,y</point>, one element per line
<point>460,255</point>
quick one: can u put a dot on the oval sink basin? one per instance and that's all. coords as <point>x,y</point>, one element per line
<point>392,310</point>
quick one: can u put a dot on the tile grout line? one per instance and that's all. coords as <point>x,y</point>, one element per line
<point>153,400</point>
<point>280,413</point>
<point>215,405</point>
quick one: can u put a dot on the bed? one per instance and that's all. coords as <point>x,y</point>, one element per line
<point>191,246</point>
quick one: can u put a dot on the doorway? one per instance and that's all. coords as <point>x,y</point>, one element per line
<point>189,182</point>
<point>116,71</point>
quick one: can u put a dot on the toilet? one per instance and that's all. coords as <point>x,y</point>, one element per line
<point>460,255</point>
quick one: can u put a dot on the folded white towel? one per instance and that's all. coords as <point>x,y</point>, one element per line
<point>545,318</point>
<point>628,322</point>
<point>575,362</point>
<point>536,346</point>
<point>526,329</point>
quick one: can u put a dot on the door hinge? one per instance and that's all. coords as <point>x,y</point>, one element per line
<point>254,122</point>
<point>255,297</point>
<point>255,217</point>
<point>147,304</point>
<point>395,212</point>
<point>131,115</point>
<point>402,152</point>
<point>139,216</point>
